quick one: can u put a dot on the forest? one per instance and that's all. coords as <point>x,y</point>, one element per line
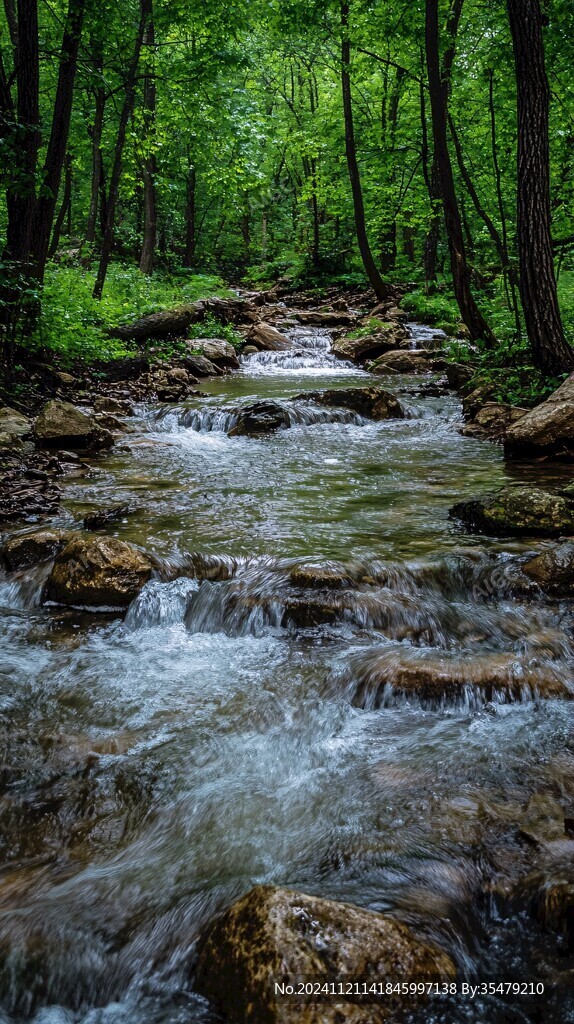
<point>286,512</point>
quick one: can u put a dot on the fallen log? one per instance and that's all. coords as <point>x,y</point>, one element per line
<point>178,320</point>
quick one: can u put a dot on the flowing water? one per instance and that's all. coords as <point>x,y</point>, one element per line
<point>241,724</point>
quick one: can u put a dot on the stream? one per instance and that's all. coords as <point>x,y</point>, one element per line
<point>224,734</point>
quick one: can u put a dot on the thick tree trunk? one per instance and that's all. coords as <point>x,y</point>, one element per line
<point>190,218</point>
<point>377,283</point>
<point>58,142</point>
<point>149,170</point>
<point>550,350</point>
<point>438,88</point>
<point>125,115</point>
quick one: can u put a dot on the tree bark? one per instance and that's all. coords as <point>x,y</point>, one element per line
<point>64,208</point>
<point>58,142</point>
<point>125,115</point>
<point>149,170</point>
<point>438,88</point>
<point>95,133</point>
<point>190,218</point>
<point>550,350</point>
<point>377,283</point>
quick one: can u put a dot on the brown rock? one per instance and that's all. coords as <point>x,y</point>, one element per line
<point>13,422</point>
<point>333,319</point>
<point>548,429</point>
<point>62,425</point>
<point>517,511</point>
<point>199,365</point>
<point>280,935</point>
<point>266,337</point>
<point>218,351</point>
<point>97,572</point>
<point>33,548</point>
<point>493,420</point>
<point>362,348</point>
<point>372,403</point>
<point>403,361</point>
<point>553,569</point>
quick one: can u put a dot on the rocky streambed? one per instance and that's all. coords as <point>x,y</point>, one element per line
<point>296,705</point>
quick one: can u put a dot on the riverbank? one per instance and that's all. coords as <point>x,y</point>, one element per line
<point>333,689</point>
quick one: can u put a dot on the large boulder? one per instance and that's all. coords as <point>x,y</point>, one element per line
<point>199,365</point>
<point>553,569</point>
<point>14,422</point>
<point>517,512</point>
<point>402,361</point>
<point>548,429</point>
<point>62,425</point>
<point>361,348</point>
<point>28,549</point>
<point>260,418</point>
<point>218,351</point>
<point>459,374</point>
<point>99,573</point>
<point>381,677</point>
<point>372,403</point>
<point>493,421</point>
<point>265,337</point>
<point>277,935</point>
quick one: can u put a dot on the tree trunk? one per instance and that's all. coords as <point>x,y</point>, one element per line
<point>371,270</point>
<point>125,115</point>
<point>550,350</point>
<point>58,142</point>
<point>431,176</point>
<point>190,230</point>
<point>150,163</point>
<point>438,88</point>
<point>95,133</point>
<point>64,208</point>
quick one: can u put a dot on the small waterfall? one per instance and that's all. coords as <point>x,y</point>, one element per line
<point>422,336</point>
<point>160,604</point>
<point>311,353</point>
<point>222,420</point>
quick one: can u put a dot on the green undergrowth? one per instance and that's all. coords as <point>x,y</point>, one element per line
<point>372,326</point>
<point>439,309</point>
<point>73,324</point>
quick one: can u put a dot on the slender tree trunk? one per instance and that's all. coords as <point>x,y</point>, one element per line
<point>470,313</point>
<point>64,208</point>
<point>190,218</point>
<point>125,115</point>
<point>150,163</point>
<point>58,142</point>
<point>95,133</point>
<point>431,176</point>
<point>550,350</point>
<point>371,270</point>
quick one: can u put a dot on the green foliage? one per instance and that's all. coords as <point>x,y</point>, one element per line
<point>73,324</point>
<point>438,308</point>
<point>372,326</point>
<point>211,327</point>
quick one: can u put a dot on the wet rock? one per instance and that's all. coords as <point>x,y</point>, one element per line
<point>459,374</point>
<point>310,576</point>
<point>310,611</point>
<point>268,338</point>
<point>11,442</point>
<point>403,361</point>
<point>333,319</point>
<point>98,572</point>
<point>33,548</point>
<point>381,677</point>
<point>14,423</point>
<point>218,351</point>
<point>103,518</point>
<point>372,403</point>
<point>110,422</point>
<point>549,893</point>
<point>169,385</point>
<point>360,349</point>
<point>260,418</point>
<point>493,421</point>
<point>473,402</point>
<point>516,512</point>
<point>27,491</point>
<point>548,429</point>
<point>62,425</point>
<point>200,366</point>
<point>114,406</point>
<point>250,350</point>
<point>277,934</point>
<point>553,569</point>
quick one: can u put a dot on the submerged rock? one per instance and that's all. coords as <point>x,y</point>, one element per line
<point>517,511</point>
<point>260,418</point>
<point>553,569</point>
<point>62,425</point>
<point>33,548</point>
<point>103,518</point>
<point>381,677</point>
<point>314,576</point>
<point>280,935</point>
<point>372,403</point>
<point>97,572</point>
<point>548,429</point>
